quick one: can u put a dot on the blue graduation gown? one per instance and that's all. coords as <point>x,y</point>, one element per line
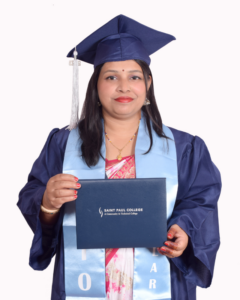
<point>195,212</point>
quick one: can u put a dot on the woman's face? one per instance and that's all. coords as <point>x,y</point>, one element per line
<point>121,88</point>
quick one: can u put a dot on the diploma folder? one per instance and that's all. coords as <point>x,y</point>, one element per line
<point>121,213</point>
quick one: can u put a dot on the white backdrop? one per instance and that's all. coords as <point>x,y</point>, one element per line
<point>196,80</point>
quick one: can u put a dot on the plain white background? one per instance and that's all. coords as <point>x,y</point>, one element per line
<point>196,80</point>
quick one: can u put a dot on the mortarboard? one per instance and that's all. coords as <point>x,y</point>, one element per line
<point>121,38</point>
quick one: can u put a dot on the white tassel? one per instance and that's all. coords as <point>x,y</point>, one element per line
<point>75,93</point>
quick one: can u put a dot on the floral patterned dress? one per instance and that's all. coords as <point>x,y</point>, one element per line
<point>119,262</point>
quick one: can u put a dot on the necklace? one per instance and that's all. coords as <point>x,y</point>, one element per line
<point>119,157</point>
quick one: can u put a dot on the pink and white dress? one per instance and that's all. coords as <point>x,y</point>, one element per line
<point>119,262</point>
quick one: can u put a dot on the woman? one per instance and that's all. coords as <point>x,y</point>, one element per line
<point>120,101</point>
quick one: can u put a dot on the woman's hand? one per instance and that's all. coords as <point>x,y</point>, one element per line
<point>177,242</point>
<point>58,191</point>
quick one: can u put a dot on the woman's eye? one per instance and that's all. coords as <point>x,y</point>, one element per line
<point>111,77</point>
<point>114,78</point>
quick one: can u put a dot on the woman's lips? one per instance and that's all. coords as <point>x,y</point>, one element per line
<point>124,99</point>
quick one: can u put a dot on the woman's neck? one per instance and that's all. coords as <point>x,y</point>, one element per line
<point>120,131</point>
<point>121,126</point>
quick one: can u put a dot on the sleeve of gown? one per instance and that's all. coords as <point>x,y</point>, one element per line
<point>196,210</point>
<point>48,164</point>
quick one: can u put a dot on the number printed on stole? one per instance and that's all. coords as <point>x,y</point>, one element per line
<point>85,276</point>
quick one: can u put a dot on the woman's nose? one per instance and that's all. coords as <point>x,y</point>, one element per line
<point>123,86</point>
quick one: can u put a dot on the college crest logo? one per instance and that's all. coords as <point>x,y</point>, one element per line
<point>101,212</point>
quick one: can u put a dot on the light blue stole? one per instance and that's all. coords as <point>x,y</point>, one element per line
<point>85,269</point>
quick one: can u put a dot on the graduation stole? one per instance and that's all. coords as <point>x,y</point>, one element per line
<point>85,269</point>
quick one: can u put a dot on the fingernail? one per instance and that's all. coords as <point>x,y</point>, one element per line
<point>75,192</point>
<point>163,249</point>
<point>75,196</point>
<point>169,235</point>
<point>166,243</point>
<point>76,179</point>
<point>78,185</point>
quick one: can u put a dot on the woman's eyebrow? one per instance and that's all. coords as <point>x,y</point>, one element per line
<point>118,72</point>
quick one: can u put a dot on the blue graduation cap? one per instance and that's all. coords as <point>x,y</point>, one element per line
<point>122,38</point>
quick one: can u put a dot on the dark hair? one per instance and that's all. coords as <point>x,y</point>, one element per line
<point>90,125</point>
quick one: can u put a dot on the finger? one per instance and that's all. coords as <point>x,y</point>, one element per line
<point>170,252</point>
<point>64,193</point>
<point>173,245</point>
<point>177,246</point>
<point>69,199</point>
<point>59,185</point>
<point>164,253</point>
<point>63,177</point>
<point>171,233</point>
<point>58,202</point>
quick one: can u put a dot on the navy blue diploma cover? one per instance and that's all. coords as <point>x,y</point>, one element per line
<point>121,213</point>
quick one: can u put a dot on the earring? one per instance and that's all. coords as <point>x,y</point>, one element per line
<point>99,103</point>
<point>146,102</point>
